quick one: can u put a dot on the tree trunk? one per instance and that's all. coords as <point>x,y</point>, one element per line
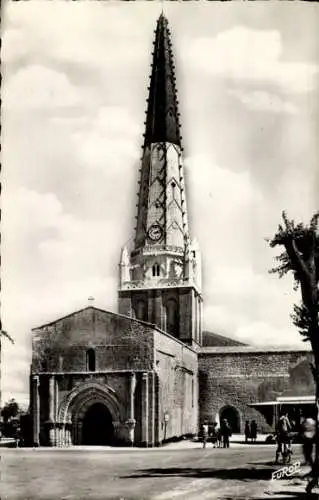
<point>314,336</point>
<point>316,461</point>
<point>315,468</point>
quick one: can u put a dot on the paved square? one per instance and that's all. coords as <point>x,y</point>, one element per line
<point>184,471</point>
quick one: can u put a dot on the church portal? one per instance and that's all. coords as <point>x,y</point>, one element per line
<point>97,428</point>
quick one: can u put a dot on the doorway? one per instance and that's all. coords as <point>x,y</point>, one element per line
<point>232,416</point>
<point>97,429</point>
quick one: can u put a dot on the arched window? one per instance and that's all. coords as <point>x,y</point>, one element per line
<point>90,360</point>
<point>156,270</point>
<point>60,363</point>
<point>172,317</point>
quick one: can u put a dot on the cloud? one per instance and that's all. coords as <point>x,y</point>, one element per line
<point>271,335</point>
<point>232,199</point>
<point>15,45</point>
<point>15,367</point>
<point>50,267</point>
<point>109,140</point>
<point>59,249</point>
<point>239,294</point>
<point>80,36</point>
<point>259,100</point>
<point>242,53</point>
<point>38,87</point>
<point>215,182</point>
<point>251,307</point>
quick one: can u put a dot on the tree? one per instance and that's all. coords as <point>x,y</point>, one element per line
<point>7,336</point>
<point>301,258</point>
<point>10,410</point>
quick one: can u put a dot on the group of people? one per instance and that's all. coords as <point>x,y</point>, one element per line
<point>217,434</point>
<point>284,434</point>
<point>307,433</point>
<point>251,429</point>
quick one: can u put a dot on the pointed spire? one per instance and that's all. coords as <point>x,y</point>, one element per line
<point>125,259</point>
<point>124,266</point>
<point>162,123</point>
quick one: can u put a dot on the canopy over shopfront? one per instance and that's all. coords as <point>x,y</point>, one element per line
<point>295,407</point>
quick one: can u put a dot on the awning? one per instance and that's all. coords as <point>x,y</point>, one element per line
<point>265,403</point>
<point>283,401</point>
<point>270,409</point>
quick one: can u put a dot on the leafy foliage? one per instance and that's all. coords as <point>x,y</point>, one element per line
<point>301,258</point>
<point>302,320</point>
<point>10,410</point>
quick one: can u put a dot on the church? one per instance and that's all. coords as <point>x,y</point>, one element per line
<point>149,374</point>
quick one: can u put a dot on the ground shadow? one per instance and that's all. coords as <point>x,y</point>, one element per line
<point>242,474</point>
<point>284,495</point>
<point>292,495</point>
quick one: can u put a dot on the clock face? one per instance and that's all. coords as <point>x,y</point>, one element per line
<point>155,232</point>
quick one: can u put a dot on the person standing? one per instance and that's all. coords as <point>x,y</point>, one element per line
<point>214,434</point>
<point>247,431</point>
<point>219,437</point>
<point>205,430</point>
<point>225,432</point>
<point>253,431</point>
<point>283,439</point>
<point>308,432</point>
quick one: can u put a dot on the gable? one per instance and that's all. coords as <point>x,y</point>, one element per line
<point>119,341</point>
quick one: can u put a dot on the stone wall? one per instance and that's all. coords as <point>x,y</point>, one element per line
<point>118,382</point>
<point>119,343</point>
<point>188,324</point>
<point>177,383</point>
<point>236,376</point>
<point>165,372</point>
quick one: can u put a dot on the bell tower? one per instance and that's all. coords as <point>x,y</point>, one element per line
<point>160,277</point>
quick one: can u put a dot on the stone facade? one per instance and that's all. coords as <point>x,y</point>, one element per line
<point>231,378</point>
<point>95,357</point>
<point>177,371</point>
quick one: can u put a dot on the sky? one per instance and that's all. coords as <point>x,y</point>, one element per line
<point>75,77</point>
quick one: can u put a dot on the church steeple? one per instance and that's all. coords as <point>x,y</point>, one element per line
<point>162,212</point>
<point>162,124</point>
<point>160,278</point>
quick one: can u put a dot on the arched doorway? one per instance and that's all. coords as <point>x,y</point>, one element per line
<point>97,427</point>
<point>232,416</point>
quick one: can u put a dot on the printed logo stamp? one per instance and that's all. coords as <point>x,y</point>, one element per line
<point>286,471</point>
